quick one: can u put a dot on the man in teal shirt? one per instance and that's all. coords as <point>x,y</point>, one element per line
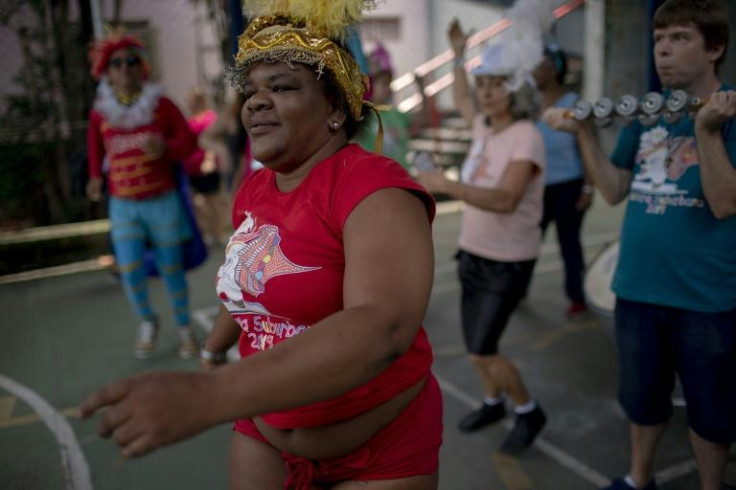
<point>676,278</point>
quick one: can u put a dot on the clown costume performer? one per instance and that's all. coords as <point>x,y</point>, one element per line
<point>140,135</point>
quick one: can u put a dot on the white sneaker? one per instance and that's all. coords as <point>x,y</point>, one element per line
<point>146,342</point>
<point>188,346</point>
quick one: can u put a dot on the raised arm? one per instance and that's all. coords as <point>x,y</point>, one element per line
<point>717,171</point>
<point>462,95</point>
<point>383,310</point>
<point>613,182</point>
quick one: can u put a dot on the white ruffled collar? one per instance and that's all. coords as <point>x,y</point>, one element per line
<point>127,117</point>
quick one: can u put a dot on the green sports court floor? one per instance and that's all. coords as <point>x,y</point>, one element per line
<point>64,336</point>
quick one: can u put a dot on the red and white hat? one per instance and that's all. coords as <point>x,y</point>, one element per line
<point>103,49</point>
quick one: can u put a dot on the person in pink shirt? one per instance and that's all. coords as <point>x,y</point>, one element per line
<point>203,168</point>
<point>502,186</point>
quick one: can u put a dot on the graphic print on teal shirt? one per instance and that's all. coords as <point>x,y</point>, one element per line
<point>674,251</point>
<point>661,162</point>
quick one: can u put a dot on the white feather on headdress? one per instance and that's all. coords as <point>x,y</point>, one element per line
<point>519,48</point>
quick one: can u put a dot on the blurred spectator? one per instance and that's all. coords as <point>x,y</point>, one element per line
<point>568,192</point>
<point>203,169</point>
<point>397,125</point>
<point>141,134</point>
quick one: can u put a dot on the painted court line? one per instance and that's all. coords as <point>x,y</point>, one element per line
<point>553,452</point>
<point>72,457</point>
<point>550,450</point>
<point>56,271</point>
<point>33,418</point>
<point>674,472</point>
<point>510,472</point>
<point>7,404</point>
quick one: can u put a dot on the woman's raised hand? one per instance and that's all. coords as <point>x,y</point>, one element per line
<point>457,37</point>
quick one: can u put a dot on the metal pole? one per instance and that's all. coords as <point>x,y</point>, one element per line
<point>96,18</point>
<point>595,49</point>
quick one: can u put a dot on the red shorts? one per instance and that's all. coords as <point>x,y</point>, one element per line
<point>408,446</point>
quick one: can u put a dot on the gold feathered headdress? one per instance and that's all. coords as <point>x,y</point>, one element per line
<point>307,32</point>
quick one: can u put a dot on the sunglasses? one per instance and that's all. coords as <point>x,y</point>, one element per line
<point>130,61</point>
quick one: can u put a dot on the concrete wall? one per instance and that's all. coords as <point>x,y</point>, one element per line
<point>472,16</point>
<point>569,32</point>
<point>478,15</point>
<point>174,49</point>
<point>413,46</point>
<point>627,45</point>
<point>11,57</point>
<point>728,73</point>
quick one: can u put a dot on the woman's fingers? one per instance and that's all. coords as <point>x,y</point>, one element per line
<point>139,446</point>
<point>112,419</point>
<point>106,396</point>
<point>124,434</point>
<point>146,411</point>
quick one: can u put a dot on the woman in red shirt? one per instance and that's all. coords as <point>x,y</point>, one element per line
<point>325,284</point>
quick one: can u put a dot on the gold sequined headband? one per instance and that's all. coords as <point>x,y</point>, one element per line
<point>307,32</point>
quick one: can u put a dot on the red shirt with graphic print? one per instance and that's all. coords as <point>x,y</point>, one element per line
<point>285,265</point>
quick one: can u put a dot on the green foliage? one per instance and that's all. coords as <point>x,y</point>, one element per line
<point>40,124</point>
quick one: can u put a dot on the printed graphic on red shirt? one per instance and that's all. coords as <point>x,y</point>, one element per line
<point>252,258</point>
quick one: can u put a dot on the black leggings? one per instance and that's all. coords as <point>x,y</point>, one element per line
<point>560,201</point>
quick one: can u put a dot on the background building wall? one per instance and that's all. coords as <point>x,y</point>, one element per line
<point>411,46</point>
<point>175,53</point>
<point>11,57</point>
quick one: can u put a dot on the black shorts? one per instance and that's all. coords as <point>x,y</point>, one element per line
<point>205,184</point>
<point>491,290</point>
<point>654,342</point>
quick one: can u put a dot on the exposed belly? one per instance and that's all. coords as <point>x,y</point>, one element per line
<point>341,438</point>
